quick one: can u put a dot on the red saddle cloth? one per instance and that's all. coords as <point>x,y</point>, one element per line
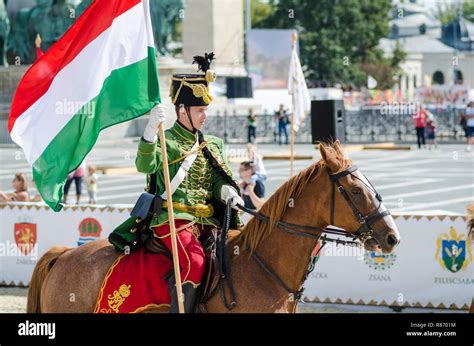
<point>135,283</point>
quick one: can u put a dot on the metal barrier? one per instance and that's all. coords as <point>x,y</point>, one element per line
<point>366,125</point>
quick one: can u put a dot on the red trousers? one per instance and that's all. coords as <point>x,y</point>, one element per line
<point>190,252</point>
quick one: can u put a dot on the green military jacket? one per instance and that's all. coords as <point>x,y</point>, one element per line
<point>200,184</point>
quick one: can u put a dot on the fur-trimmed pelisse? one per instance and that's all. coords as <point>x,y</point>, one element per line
<point>193,89</point>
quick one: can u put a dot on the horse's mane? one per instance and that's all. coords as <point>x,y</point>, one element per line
<point>470,221</point>
<point>255,230</point>
<point>470,225</point>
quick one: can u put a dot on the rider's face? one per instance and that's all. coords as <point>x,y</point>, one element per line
<point>198,116</point>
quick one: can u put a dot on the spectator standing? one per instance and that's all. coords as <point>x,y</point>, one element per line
<point>420,118</point>
<point>283,120</point>
<point>77,176</point>
<point>91,183</point>
<point>469,116</point>
<point>431,131</point>
<point>252,126</point>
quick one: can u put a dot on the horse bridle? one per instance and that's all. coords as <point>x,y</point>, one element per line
<point>363,233</point>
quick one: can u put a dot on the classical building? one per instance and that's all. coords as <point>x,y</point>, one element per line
<point>436,53</point>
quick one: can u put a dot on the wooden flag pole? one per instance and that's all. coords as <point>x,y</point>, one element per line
<point>292,122</point>
<point>173,235</point>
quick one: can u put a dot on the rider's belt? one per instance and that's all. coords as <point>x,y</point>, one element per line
<point>198,210</point>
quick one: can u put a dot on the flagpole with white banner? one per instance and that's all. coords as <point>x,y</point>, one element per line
<point>292,125</point>
<point>301,102</point>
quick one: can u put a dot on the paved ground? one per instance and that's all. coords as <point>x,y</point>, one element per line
<point>415,180</point>
<point>13,300</point>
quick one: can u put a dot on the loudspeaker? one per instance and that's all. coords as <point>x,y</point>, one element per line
<point>238,87</point>
<point>327,121</point>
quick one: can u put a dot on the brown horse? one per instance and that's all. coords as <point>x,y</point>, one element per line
<point>68,280</point>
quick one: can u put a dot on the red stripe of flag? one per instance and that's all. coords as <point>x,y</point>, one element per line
<point>35,83</point>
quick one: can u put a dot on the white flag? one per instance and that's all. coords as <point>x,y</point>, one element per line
<point>298,88</point>
<point>371,82</point>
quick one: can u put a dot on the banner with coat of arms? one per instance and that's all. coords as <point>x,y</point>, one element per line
<point>28,230</point>
<point>432,267</point>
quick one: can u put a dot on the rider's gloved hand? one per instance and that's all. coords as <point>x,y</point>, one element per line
<point>156,117</point>
<point>229,193</point>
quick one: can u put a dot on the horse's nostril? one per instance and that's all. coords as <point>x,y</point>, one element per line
<point>392,240</point>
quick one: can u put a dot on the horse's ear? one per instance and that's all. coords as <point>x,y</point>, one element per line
<point>338,146</point>
<point>329,158</point>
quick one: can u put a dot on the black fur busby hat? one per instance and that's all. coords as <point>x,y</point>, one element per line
<point>193,89</point>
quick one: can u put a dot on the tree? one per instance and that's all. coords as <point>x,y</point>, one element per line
<point>337,37</point>
<point>447,12</point>
<point>259,10</point>
<point>386,70</point>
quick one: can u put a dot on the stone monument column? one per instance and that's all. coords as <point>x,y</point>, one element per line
<point>215,26</point>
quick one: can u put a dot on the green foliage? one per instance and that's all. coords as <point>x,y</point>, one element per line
<point>447,12</point>
<point>260,10</point>
<point>385,70</point>
<point>337,37</point>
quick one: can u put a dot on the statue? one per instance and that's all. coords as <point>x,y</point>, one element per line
<point>4,33</point>
<point>50,19</point>
<point>38,24</point>
<point>164,16</point>
<point>82,7</point>
<point>18,45</point>
<point>60,18</point>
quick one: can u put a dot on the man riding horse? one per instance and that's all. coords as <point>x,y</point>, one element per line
<point>200,176</point>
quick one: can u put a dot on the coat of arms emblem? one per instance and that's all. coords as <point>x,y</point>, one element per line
<point>25,237</point>
<point>453,251</point>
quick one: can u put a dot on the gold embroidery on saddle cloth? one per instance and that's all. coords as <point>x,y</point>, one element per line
<point>117,298</point>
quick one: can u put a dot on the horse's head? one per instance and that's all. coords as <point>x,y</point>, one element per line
<point>355,205</point>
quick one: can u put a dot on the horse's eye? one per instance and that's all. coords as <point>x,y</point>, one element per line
<point>356,190</point>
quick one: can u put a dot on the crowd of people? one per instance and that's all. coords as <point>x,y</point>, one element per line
<point>282,121</point>
<point>426,125</point>
<point>20,191</point>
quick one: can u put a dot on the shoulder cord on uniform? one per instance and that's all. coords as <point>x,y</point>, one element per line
<point>198,149</point>
<point>208,155</point>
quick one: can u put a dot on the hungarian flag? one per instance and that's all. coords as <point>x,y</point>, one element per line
<point>102,72</point>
